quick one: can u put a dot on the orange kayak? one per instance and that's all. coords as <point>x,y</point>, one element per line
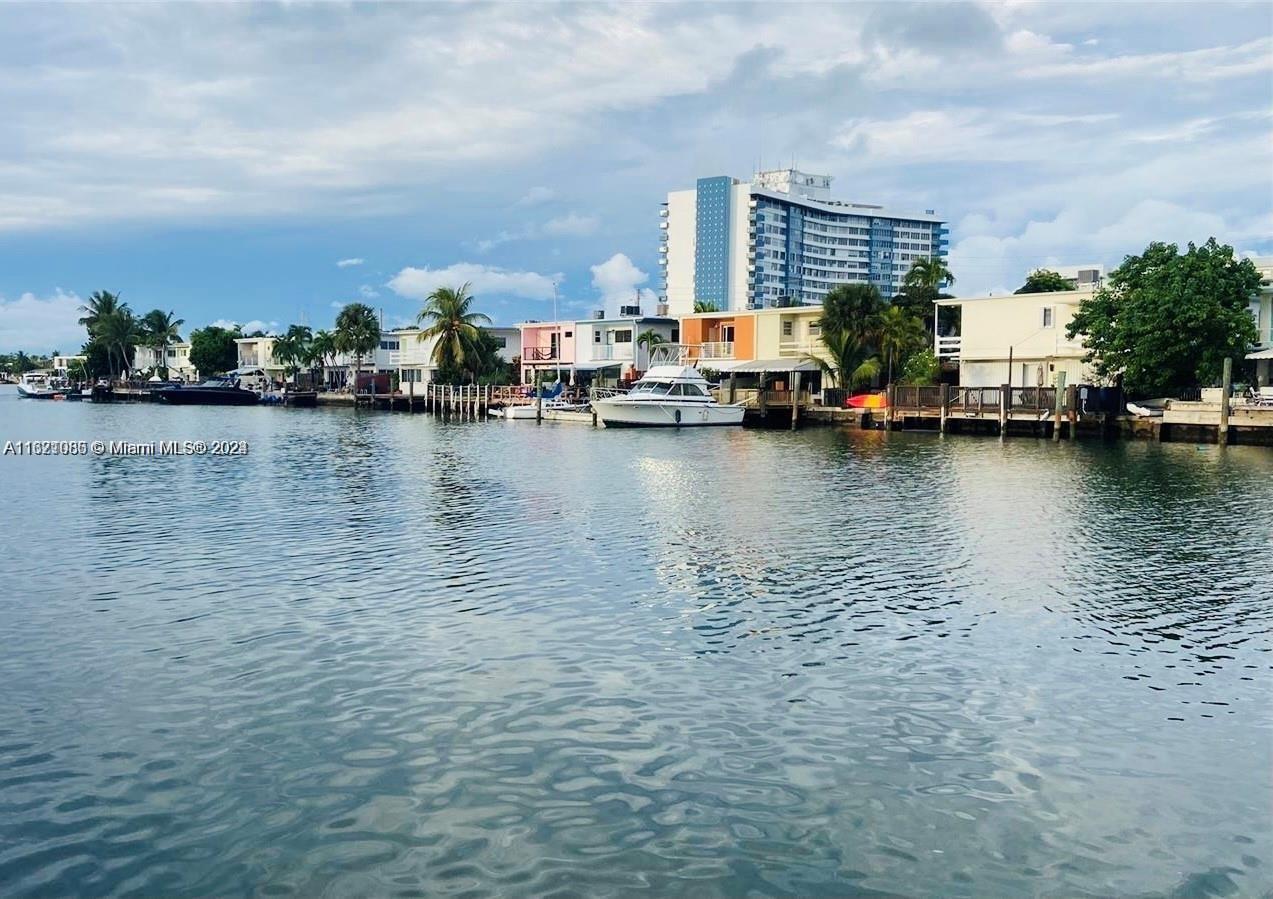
<point>868,401</point>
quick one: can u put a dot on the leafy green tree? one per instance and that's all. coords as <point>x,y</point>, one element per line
<point>159,329</point>
<point>482,364</point>
<point>1045,281</point>
<point>900,334</point>
<point>849,328</point>
<point>921,368</point>
<point>921,287</point>
<point>213,351</point>
<point>447,316</point>
<point>1167,319</point>
<point>357,333</point>
<point>930,272</point>
<point>705,306</point>
<point>21,363</point>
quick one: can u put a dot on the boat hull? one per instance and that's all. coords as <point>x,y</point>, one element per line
<point>195,396</point>
<point>35,393</point>
<point>617,413</point>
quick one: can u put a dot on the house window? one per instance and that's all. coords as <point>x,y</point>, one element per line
<point>570,334</point>
<point>787,328</point>
<point>624,336</point>
<point>1047,316</point>
<point>596,337</point>
<point>815,328</point>
<point>676,335</point>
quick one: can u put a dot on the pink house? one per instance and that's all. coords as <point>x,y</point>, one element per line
<point>547,346</point>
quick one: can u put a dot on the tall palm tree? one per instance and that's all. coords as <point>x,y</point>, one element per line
<point>357,332</point>
<point>705,306</point>
<point>101,303</point>
<point>159,329</point>
<point>321,349</point>
<point>447,316</point>
<point>900,334</point>
<point>118,333</point>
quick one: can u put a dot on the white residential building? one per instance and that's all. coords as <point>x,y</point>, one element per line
<point>175,357</point>
<point>1016,339</point>
<point>609,348</point>
<point>780,240</point>
<point>403,351</point>
<point>1262,310</point>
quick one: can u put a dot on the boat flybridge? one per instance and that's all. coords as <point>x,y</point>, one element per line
<point>671,394</point>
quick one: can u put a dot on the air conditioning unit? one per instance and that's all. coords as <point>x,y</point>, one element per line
<point>661,310</point>
<point>629,310</point>
<point>598,313</point>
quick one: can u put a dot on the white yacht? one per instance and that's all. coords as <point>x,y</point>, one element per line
<point>35,385</point>
<point>668,396</point>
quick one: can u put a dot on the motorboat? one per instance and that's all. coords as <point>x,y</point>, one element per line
<point>36,385</point>
<point>550,400</point>
<point>212,392</point>
<point>668,396</point>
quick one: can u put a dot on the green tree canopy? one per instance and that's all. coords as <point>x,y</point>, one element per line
<point>292,350</point>
<point>101,303</point>
<point>449,318</point>
<point>921,368</point>
<point>849,327</point>
<point>1167,319</point>
<point>1045,281</point>
<point>158,330</point>
<point>357,333</point>
<point>650,338</point>
<point>900,334</point>
<point>213,351</point>
<point>705,306</point>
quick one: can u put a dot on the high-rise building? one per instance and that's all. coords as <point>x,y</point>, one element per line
<point>780,240</point>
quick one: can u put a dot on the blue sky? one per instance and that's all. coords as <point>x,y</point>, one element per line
<point>221,160</point>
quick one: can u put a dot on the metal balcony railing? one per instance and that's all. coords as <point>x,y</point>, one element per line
<point>540,354</point>
<point>721,349</point>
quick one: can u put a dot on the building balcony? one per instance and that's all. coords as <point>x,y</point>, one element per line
<point>539,354</point>
<point>720,349</point>
<point>612,352</point>
<point>789,347</point>
<point>949,347</point>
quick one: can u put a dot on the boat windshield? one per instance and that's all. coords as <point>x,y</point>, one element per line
<point>658,388</point>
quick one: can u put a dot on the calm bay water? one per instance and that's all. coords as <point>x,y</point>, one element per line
<point>385,655</point>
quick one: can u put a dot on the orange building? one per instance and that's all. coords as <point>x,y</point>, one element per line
<point>723,336</point>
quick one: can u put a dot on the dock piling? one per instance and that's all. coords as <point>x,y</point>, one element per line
<point>1060,398</point>
<point>1226,382</point>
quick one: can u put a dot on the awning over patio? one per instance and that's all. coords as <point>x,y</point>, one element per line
<point>597,366</point>
<point>756,366</point>
<point>1266,353</point>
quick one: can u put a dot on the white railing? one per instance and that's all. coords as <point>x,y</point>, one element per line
<point>610,351</point>
<point>797,347</point>
<point>717,350</point>
<point>949,347</point>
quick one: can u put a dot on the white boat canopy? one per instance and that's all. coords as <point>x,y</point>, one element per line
<point>760,365</point>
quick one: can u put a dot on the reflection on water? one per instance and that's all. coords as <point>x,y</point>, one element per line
<point>386,655</point>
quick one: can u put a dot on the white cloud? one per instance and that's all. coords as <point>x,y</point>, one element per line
<point>536,196</point>
<point>418,283</point>
<point>247,327</point>
<point>618,280</point>
<point>41,324</point>
<point>367,292</point>
<point>346,263</point>
<point>571,225</point>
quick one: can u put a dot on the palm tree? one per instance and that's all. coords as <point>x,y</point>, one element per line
<point>159,329</point>
<point>900,333</point>
<point>849,326</point>
<point>292,349</point>
<point>101,303</point>
<point>930,273</point>
<point>321,348</point>
<point>357,332</point>
<point>119,333</point>
<point>446,316</point>
<point>705,306</point>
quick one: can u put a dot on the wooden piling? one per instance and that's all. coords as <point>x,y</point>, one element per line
<point>1072,408</point>
<point>945,408</point>
<point>795,399</point>
<point>1059,403</point>
<point>1005,401</point>
<point>1226,382</point>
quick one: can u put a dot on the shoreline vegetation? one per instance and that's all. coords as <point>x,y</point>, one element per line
<point>1164,321</point>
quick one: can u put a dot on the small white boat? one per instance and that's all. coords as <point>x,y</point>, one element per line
<point>526,412</point>
<point>36,385</point>
<point>668,396</point>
